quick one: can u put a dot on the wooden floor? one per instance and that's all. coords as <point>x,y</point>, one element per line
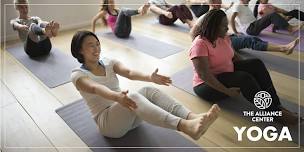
<point>30,124</point>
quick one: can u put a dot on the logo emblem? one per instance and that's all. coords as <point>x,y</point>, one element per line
<point>262,100</point>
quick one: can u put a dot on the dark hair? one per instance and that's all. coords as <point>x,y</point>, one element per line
<point>255,10</point>
<point>105,7</point>
<point>209,26</point>
<point>77,42</point>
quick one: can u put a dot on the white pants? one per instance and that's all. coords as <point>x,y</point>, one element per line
<point>153,106</point>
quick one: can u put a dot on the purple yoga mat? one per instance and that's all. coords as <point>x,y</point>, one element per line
<point>281,38</point>
<point>281,31</point>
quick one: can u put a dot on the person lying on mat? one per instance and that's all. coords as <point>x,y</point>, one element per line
<point>168,14</point>
<point>119,20</point>
<point>116,111</point>
<point>218,71</point>
<point>251,26</point>
<point>200,7</point>
<point>263,8</point>
<point>33,32</point>
<point>240,41</point>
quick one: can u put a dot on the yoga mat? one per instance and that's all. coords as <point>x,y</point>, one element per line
<point>145,138</point>
<point>282,31</point>
<point>282,39</point>
<point>53,70</point>
<point>178,25</point>
<point>183,81</point>
<point>276,63</point>
<point>150,46</point>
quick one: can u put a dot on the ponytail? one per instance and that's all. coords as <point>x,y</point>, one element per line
<point>256,7</point>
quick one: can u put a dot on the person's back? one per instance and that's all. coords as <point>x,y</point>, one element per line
<point>244,17</point>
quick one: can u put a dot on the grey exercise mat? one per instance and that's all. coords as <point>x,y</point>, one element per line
<point>183,81</point>
<point>178,25</point>
<point>276,63</point>
<point>153,47</point>
<point>144,138</point>
<point>53,70</point>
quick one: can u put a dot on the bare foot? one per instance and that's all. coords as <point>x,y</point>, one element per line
<point>55,28</point>
<point>48,30</point>
<point>290,47</point>
<point>195,128</point>
<point>144,9</point>
<point>194,115</point>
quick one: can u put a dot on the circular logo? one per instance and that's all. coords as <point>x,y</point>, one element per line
<point>262,100</point>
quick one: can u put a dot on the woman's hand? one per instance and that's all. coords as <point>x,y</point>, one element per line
<point>287,18</point>
<point>125,101</point>
<point>160,79</point>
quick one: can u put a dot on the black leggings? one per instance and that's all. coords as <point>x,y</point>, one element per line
<point>123,25</point>
<point>257,26</point>
<point>40,48</point>
<point>251,76</point>
<point>296,14</point>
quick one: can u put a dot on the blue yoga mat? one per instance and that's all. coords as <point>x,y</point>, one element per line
<point>145,138</point>
<point>53,70</point>
<point>150,46</point>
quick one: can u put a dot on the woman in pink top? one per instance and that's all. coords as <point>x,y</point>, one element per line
<point>264,8</point>
<point>118,20</point>
<point>218,71</point>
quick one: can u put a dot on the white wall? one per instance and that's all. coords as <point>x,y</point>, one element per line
<point>75,16</point>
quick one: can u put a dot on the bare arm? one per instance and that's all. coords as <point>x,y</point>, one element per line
<point>120,69</point>
<point>202,68</point>
<point>20,27</point>
<point>98,16</point>
<point>232,22</point>
<point>155,9</point>
<point>279,10</point>
<point>87,85</point>
<point>193,2</point>
<point>227,6</point>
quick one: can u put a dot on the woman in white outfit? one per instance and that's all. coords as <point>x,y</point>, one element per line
<point>116,111</point>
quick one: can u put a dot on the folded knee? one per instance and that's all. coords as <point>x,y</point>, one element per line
<point>134,96</point>
<point>145,90</point>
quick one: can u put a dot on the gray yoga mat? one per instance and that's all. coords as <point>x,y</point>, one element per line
<point>178,25</point>
<point>276,63</point>
<point>145,138</point>
<point>53,70</point>
<point>150,46</point>
<point>183,81</point>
